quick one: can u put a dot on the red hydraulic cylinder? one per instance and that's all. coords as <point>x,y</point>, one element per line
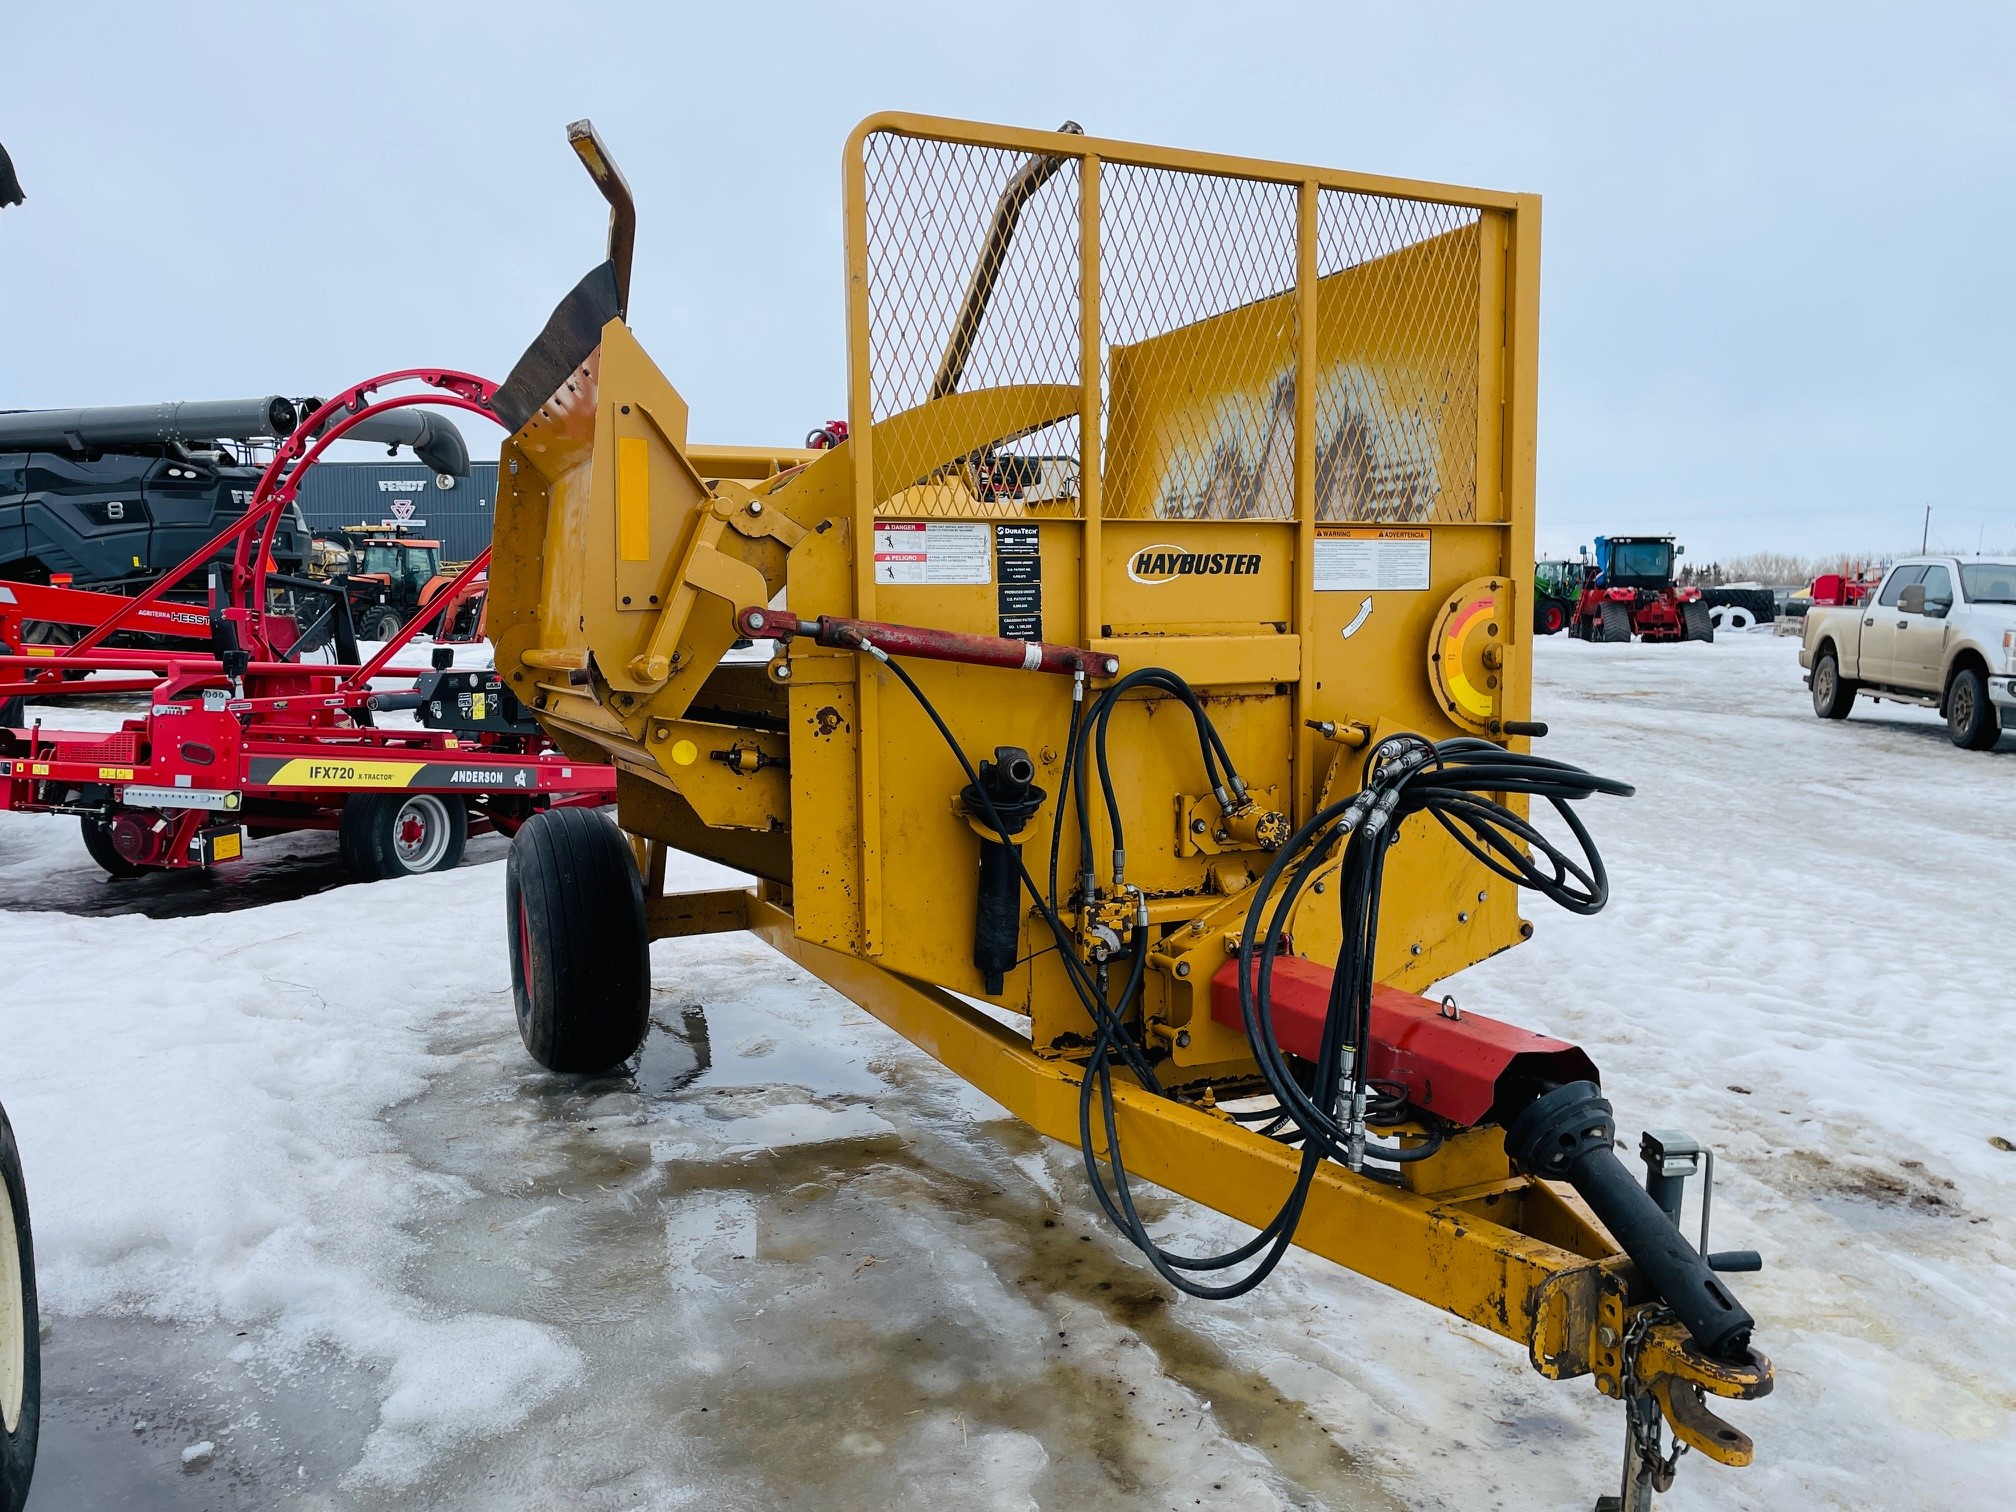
<point>931,645</point>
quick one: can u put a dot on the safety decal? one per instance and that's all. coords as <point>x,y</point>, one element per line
<point>1382,558</point>
<point>917,551</point>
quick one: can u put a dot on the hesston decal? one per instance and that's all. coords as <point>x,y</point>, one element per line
<point>1165,564</point>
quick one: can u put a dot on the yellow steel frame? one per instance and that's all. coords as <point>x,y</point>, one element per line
<point>1515,226</point>
<point>1521,1257</point>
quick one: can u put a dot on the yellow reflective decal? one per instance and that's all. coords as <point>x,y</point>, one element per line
<point>305,771</point>
<point>633,499</point>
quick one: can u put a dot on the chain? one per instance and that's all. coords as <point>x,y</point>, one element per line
<point>1641,1410</point>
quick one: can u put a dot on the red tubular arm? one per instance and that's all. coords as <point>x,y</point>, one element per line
<point>930,645</point>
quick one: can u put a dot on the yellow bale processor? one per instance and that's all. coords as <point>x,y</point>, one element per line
<point>1132,709</point>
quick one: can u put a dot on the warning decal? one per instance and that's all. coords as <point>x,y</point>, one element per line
<point>917,551</point>
<point>1352,557</point>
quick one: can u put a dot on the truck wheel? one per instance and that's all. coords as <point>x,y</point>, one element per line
<point>580,950</point>
<point>20,1332</point>
<point>1616,622</point>
<point>1833,694</point>
<point>98,841</point>
<point>1695,623</point>
<point>402,834</point>
<point>379,624</point>
<point>1970,717</point>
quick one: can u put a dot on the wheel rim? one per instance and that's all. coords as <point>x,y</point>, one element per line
<point>13,1320</point>
<point>420,832</point>
<point>1823,683</point>
<point>1963,707</point>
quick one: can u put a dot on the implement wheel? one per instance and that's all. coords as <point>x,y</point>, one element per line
<point>402,834</point>
<point>98,841</point>
<point>580,950</point>
<point>20,1332</point>
<point>1616,622</point>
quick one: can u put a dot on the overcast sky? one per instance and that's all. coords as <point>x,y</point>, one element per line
<point>1776,307</point>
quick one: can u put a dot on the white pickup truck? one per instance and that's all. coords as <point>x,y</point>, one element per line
<point>1940,632</point>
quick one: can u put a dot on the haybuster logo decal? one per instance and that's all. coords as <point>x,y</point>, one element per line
<point>1165,564</point>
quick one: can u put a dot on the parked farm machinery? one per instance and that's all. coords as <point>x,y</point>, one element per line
<point>1629,589</point>
<point>1139,495</point>
<point>244,730</point>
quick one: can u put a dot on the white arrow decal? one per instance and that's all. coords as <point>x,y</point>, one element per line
<point>1364,613</point>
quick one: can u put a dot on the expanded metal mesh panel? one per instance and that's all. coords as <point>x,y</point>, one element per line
<point>1197,308</point>
<point>934,216</point>
<point>973,270</point>
<point>1396,384</point>
<point>120,749</point>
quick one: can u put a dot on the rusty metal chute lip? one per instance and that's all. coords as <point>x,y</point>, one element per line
<point>569,338</point>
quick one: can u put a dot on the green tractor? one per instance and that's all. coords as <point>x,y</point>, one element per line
<point>1557,587</point>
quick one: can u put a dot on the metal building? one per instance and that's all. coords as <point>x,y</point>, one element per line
<point>455,511</point>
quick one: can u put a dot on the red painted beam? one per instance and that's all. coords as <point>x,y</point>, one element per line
<point>921,641</point>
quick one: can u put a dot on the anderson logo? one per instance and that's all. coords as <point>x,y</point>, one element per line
<point>488,776</point>
<point>1165,564</point>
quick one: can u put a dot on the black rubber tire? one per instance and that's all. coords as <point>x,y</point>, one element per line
<point>17,1444</point>
<point>1616,622</point>
<point>580,950</point>
<point>1833,694</point>
<point>13,712</point>
<point>1761,602</point>
<point>99,843</point>
<point>1550,616</point>
<point>1971,718</point>
<point>1696,622</point>
<point>379,623</point>
<point>368,837</point>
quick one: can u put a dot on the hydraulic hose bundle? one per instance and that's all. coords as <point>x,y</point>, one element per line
<point>1327,1108</point>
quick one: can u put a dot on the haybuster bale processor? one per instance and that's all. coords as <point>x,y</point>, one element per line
<point>1150,664</point>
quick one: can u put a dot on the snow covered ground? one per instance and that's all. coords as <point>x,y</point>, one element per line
<point>299,1194</point>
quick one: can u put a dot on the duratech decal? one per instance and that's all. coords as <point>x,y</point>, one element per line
<point>1165,564</point>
